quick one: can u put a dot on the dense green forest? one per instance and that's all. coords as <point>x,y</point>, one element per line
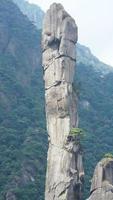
<point>96,116</point>
<point>23,137</point>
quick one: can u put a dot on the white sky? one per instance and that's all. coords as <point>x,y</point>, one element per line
<point>95,24</point>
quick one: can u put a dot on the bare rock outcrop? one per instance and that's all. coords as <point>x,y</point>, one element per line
<point>64,179</point>
<point>102,182</point>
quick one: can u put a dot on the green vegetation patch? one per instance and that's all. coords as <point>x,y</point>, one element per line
<point>108,155</point>
<point>76,132</point>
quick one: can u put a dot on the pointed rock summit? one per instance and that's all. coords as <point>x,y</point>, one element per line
<point>102,182</point>
<point>65,172</point>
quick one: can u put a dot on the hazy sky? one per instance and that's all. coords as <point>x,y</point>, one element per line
<point>95,24</point>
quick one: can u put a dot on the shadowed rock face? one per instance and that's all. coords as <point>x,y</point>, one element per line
<point>102,182</point>
<point>64,164</point>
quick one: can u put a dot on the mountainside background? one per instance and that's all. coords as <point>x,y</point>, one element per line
<point>34,13</point>
<point>23,137</point>
<point>23,141</point>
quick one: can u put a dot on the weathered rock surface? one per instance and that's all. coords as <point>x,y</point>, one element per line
<point>64,164</point>
<point>102,182</point>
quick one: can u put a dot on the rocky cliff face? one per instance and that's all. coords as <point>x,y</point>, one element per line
<point>102,182</point>
<point>64,165</point>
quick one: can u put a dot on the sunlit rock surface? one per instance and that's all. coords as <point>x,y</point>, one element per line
<point>64,180</point>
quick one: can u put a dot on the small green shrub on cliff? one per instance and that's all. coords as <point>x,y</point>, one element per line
<point>108,155</point>
<point>77,132</point>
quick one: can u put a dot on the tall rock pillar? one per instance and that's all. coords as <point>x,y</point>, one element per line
<point>64,163</point>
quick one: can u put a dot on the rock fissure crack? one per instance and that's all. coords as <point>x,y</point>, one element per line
<point>53,58</point>
<point>110,189</point>
<point>66,56</point>
<point>54,85</point>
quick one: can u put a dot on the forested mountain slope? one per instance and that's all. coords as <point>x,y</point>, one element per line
<point>23,138</point>
<point>34,12</point>
<point>95,115</point>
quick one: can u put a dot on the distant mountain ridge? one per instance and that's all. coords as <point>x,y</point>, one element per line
<point>34,12</point>
<point>85,56</point>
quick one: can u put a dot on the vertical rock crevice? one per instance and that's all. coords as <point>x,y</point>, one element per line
<point>64,179</point>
